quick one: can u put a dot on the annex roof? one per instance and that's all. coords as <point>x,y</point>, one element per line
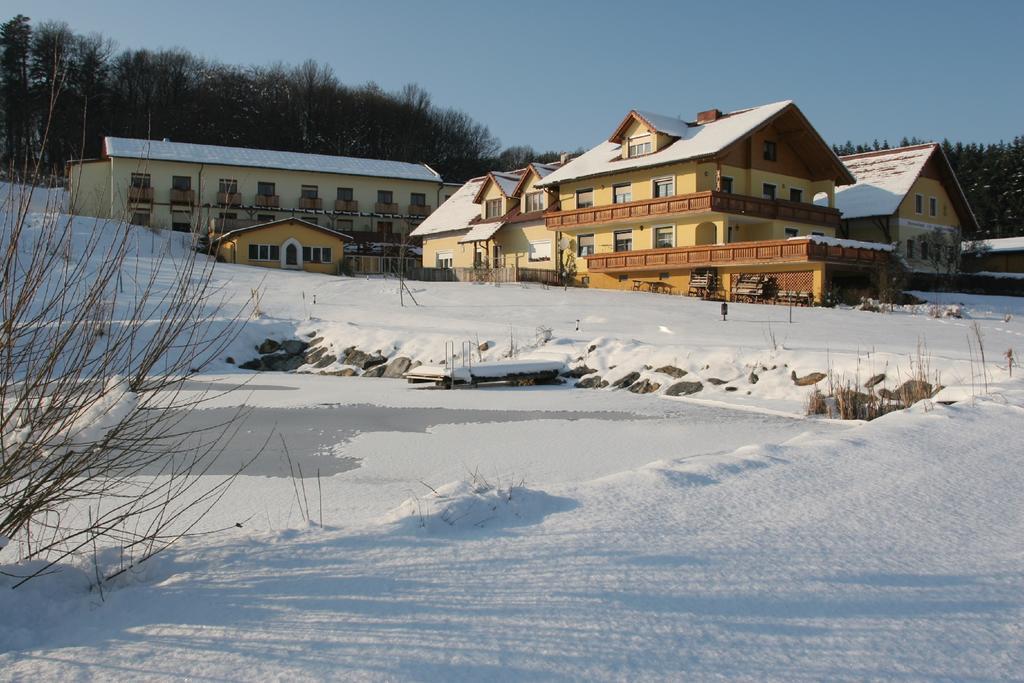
<point>306,224</point>
<point>455,213</point>
<point>164,150</point>
<point>1004,244</point>
<point>481,232</point>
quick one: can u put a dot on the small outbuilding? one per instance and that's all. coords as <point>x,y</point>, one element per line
<point>288,243</point>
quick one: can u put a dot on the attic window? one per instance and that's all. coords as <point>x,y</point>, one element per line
<point>640,146</point>
<point>770,152</point>
<point>493,208</point>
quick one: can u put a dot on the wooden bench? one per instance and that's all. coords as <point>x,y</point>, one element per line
<point>701,284</point>
<point>749,287</point>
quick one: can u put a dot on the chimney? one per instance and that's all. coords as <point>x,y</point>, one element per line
<point>708,116</point>
<point>563,159</point>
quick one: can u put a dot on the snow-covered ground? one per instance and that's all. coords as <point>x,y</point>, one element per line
<point>552,533</point>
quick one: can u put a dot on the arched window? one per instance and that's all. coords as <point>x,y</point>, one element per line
<point>291,255</point>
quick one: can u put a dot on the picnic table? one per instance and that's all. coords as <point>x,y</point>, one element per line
<point>656,287</point>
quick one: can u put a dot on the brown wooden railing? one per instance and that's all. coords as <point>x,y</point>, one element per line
<point>419,210</point>
<point>698,202</point>
<point>381,207</point>
<point>737,253</point>
<point>140,194</point>
<point>229,198</point>
<point>267,201</point>
<point>346,205</point>
<point>183,196</point>
<point>311,203</point>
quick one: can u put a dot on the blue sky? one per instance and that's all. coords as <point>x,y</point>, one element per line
<point>560,75</point>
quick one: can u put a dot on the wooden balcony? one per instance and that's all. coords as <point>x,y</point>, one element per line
<point>315,203</point>
<point>698,202</point>
<point>346,205</point>
<point>229,198</point>
<point>381,207</point>
<point>186,197</point>
<point>267,201</point>
<point>140,195</point>
<point>769,252</point>
<point>419,210</point>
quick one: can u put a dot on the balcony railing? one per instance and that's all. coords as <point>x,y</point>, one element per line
<point>267,201</point>
<point>183,196</point>
<point>311,203</point>
<point>346,205</point>
<point>735,254</point>
<point>222,225</point>
<point>382,207</point>
<point>419,210</point>
<point>140,194</point>
<point>698,202</point>
<point>229,198</point>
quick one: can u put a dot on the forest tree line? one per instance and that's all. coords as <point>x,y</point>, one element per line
<point>61,92</point>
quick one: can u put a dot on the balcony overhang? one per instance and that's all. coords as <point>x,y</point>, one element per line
<point>711,201</point>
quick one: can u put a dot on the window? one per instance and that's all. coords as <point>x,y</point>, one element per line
<point>584,245</point>
<point>540,250</point>
<point>316,254</point>
<point>140,180</point>
<point>933,206</point>
<point>444,259</point>
<point>492,208</point>
<point>623,240</point>
<point>770,151</point>
<point>140,218</point>
<point>418,199</point>
<point>792,232</point>
<point>227,186</point>
<point>344,225</point>
<point>309,192</point>
<point>623,277</point>
<point>664,187</point>
<point>265,217</point>
<point>534,201</point>
<point>639,146</point>
<point>345,194</point>
<point>796,195</point>
<point>768,191</point>
<point>266,189</point>
<point>622,193</point>
<point>664,237</point>
<point>181,182</point>
<point>663,276</point>
<point>910,247</point>
<point>924,249</point>
<point>264,252</point>
<point>817,234</point>
<point>230,215</point>
<point>385,197</point>
<point>584,199</point>
<point>727,184</point>
<point>918,203</point>
<point>385,227</point>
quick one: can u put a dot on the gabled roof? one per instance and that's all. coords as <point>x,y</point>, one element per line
<point>703,141</point>
<point>507,181</point>
<point>535,168</point>
<point>279,221</point>
<point>164,150</point>
<point>656,122</point>
<point>884,178</point>
<point>455,213</point>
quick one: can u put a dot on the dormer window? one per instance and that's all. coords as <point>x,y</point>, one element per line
<point>492,208</point>
<point>640,146</point>
<point>770,151</point>
<point>534,201</point>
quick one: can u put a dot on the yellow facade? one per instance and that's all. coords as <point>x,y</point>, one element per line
<point>234,247</point>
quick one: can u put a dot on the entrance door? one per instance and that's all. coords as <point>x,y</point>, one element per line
<point>291,255</point>
<point>497,262</point>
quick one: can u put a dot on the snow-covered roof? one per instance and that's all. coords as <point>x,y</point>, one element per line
<point>883,180</point>
<point>506,181</point>
<point>694,141</point>
<point>162,150</point>
<point>481,232</point>
<point>851,244</point>
<point>455,213</point>
<point>1005,244</point>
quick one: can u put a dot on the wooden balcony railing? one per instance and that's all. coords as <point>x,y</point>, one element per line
<point>183,196</point>
<point>140,194</point>
<point>346,205</point>
<point>381,207</point>
<point>267,201</point>
<point>698,202</point>
<point>419,210</point>
<point>311,203</point>
<point>735,254</point>
<point>229,198</point>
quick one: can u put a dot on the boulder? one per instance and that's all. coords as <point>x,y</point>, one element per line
<point>875,380</point>
<point>684,388</point>
<point>671,371</point>
<point>344,372</point>
<point>644,386</point>
<point>715,381</point>
<point>753,378</point>
<point>808,380</point>
<point>325,360</point>
<point>313,355</point>
<point>483,346</point>
<point>229,360</point>
<point>397,367</point>
<point>375,371</point>
<point>315,341</point>
<point>282,362</point>
<point>268,346</point>
<point>731,389</point>
<point>591,382</point>
<point>579,371</point>
<point>294,346</point>
<point>313,334</point>
<point>254,364</point>
<point>624,382</point>
<point>590,349</point>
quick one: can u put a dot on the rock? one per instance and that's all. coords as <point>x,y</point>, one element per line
<point>316,341</point>
<point>397,367</point>
<point>731,389</point>
<point>311,335</point>
<point>229,360</point>
<point>375,371</point>
<point>268,346</point>
<point>374,361</point>
<point>808,380</point>
<point>579,371</point>
<point>671,371</point>
<point>591,348</point>
<point>282,362</point>
<point>344,372</point>
<point>354,356</point>
<point>644,386</point>
<point>325,360</point>
<point>875,380</point>
<point>915,389</point>
<point>684,388</point>
<point>254,364</point>
<point>716,381</point>
<point>483,346</point>
<point>313,355</point>
<point>294,346</point>
<point>648,367</point>
<point>591,382</point>
<point>626,381</point>
<point>752,378</point>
